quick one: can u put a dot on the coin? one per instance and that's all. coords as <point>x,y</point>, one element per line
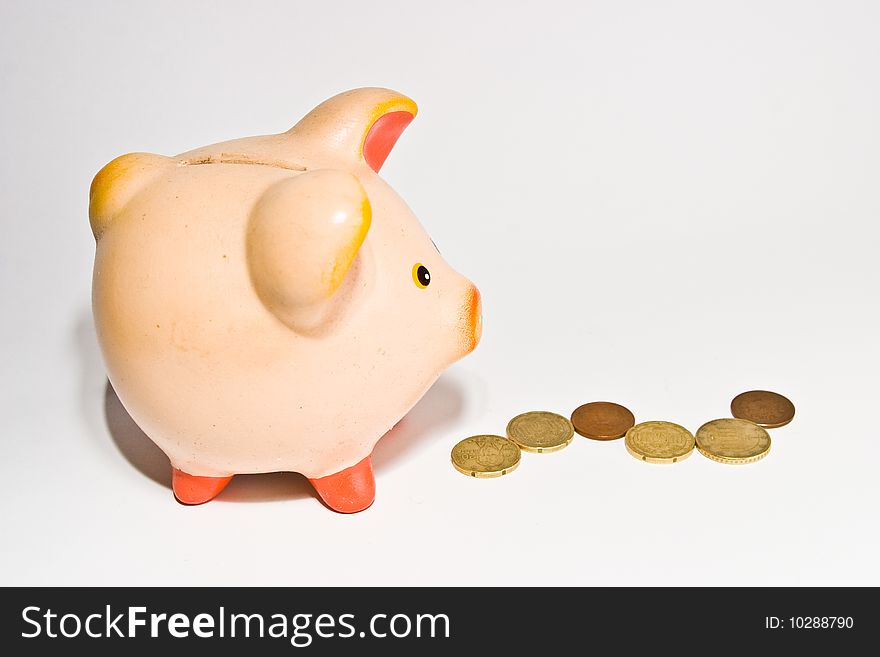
<point>730,440</point>
<point>485,456</point>
<point>602,420</point>
<point>540,432</point>
<point>764,408</point>
<point>659,442</point>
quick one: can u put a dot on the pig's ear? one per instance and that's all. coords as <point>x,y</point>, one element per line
<point>115,185</point>
<point>303,235</point>
<point>361,124</point>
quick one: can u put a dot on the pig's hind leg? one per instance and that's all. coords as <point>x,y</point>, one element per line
<point>350,490</point>
<point>190,489</point>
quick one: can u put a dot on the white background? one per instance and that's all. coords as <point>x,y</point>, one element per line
<point>662,206</point>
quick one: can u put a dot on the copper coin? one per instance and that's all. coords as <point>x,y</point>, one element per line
<point>766,409</point>
<point>602,420</point>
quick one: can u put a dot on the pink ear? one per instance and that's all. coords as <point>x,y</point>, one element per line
<point>382,136</point>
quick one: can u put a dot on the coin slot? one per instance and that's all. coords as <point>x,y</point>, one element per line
<point>240,158</point>
<point>675,459</point>
<point>503,472</point>
<point>644,458</point>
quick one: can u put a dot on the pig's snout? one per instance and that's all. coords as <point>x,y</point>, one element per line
<point>474,317</point>
<point>462,320</point>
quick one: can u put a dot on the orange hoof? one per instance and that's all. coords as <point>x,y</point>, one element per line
<point>350,490</point>
<point>190,489</point>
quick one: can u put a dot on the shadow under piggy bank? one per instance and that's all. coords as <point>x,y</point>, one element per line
<point>441,405</point>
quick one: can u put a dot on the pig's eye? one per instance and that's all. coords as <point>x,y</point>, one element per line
<point>421,275</point>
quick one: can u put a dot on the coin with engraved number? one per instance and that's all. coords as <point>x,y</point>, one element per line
<point>602,420</point>
<point>764,408</point>
<point>485,456</point>
<point>731,440</point>
<point>540,432</point>
<point>659,442</point>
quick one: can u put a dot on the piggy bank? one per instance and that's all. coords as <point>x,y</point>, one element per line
<point>270,304</point>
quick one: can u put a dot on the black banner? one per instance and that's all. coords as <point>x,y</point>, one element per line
<point>400,621</point>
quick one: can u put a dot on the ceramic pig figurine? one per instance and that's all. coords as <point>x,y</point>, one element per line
<point>270,304</point>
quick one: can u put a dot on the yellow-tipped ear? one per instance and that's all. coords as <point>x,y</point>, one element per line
<point>117,183</point>
<point>361,124</point>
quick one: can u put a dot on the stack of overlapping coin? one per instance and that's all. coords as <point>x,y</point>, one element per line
<point>539,432</point>
<point>741,439</point>
<point>744,438</point>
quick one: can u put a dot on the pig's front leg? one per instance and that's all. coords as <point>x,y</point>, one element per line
<point>350,490</point>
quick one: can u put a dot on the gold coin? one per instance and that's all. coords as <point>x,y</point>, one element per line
<point>732,440</point>
<point>485,456</point>
<point>659,442</point>
<point>540,432</point>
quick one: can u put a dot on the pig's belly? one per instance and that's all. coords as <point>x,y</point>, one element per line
<point>247,396</point>
<point>229,422</point>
